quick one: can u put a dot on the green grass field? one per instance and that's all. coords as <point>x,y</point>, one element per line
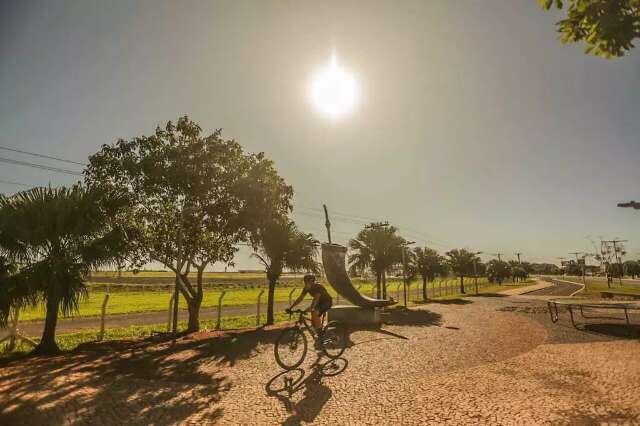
<point>593,288</point>
<point>148,301</point>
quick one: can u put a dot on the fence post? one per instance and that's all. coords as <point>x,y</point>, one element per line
<point>14,329</point>
<point>290,299</point>
<point>220,309</point>
<point>170,312</point>
<point>102,317</point>
<point>258,312</point>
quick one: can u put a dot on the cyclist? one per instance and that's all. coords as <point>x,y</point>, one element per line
<point>320,304</point>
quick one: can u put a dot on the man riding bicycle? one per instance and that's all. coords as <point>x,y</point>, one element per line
<point>320,304</point>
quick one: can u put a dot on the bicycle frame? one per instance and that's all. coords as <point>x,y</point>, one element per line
<point>304,321</point>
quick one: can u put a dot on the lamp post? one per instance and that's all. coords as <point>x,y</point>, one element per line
<point>404,270</point>
<point>475,269</point>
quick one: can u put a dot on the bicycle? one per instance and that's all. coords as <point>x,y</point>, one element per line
<point>291,346</point>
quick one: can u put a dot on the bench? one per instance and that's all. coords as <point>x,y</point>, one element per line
<point>612,294</point>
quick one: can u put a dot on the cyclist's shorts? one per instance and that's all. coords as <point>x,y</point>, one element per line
<point>323,305</point>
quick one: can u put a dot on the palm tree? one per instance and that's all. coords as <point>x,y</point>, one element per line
<point>428,263</point>
<point>377,247</point>
<point>461,263</point>
<point>57,235</point>
<point>279,244</point>
<point>498,270</point>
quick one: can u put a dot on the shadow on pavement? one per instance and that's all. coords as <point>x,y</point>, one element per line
<point>631,331</point>
<point>315,394</point>
<point>444,301</point>
<point>156,380</point>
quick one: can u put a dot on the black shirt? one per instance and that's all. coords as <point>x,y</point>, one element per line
<point>317,289</point>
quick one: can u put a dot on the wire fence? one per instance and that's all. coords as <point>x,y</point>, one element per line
<point>221,315</point>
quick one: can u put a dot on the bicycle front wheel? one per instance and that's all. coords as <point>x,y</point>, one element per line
<point>334,339</point>
<point>291,348</point>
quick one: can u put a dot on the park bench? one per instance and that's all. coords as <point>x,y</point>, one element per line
<point>581,305</point>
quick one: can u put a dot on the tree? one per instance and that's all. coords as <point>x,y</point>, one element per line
<point>191,196</point>
<point>518,273</point>
<point>608,27</point>
<point>377,247</point>
<point>632,268</point>
<point>498,270</point>
<point>57,236</point>
<point>427,263</point>
<point>279,244</point>
<point>461,263</point>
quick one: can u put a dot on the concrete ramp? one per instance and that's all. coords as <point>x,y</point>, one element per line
<point>333,260</point>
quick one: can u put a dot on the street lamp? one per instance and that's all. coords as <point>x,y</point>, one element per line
<point>404,270</point>
<point>475,269</point>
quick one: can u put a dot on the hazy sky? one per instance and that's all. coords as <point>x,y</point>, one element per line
<point>476,128</point>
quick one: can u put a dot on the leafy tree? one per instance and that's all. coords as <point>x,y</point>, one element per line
<point>191,196</point>
<point>632,268</point>
<point>58,236</point>
<point>518,273</point>
<point>279,244</point>
<point>427,263</point>
<point>377,247</point>
<point>498,270</point>
<point>461,264</point>
<point>608,27</point>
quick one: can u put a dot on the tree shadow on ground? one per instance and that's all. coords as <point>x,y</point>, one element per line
<point>158,380</point>
<point>315,394</point>
<point>411,317</point>
<point>626,331</point>
<point>457,301</point>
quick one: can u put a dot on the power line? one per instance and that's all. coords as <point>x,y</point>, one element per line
<point>39,166</point>
<point>8,182</point>
<point>6,148</point>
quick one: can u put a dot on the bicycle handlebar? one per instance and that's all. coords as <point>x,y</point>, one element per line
<point>296,311</point>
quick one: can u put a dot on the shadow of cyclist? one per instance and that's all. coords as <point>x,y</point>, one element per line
<point>315,394</point>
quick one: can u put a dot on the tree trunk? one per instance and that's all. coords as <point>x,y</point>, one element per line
<point>48,343</point>
<point>378,281</point>
<point>424,287</point>
<point>193,306</point>
<point>384,285</point>
<point>462,284</point>
<point>270,297</point>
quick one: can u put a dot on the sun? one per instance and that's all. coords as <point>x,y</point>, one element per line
<point>334,91</point>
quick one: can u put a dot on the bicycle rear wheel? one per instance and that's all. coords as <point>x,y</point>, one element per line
<point>290,348</point>
<point>334,339</point>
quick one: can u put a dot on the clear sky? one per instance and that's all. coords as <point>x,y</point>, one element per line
<point>476,128</point>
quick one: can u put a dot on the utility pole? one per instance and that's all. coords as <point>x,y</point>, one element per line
<point>326,222</point>
<point>576,253</point>
<point>475,269</point>
<point>498,256</point>
<point>562,264</point>
<point>518,254</point>
<point>615,243</point>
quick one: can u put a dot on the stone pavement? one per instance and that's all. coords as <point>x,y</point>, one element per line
<point>482,360</point>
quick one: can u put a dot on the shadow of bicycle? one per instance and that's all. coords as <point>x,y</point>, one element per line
<point>288,385</point>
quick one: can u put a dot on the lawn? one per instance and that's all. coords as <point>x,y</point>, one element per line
<point>123,302</point>
<point>594,287</point>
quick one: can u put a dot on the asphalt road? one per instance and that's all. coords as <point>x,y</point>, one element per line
<point>558,289</point>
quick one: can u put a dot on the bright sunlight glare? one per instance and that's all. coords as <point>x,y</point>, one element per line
<point>334,91</point>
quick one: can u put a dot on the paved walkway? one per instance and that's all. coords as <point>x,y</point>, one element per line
<point>528,289</point>
<point>482,360</point>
